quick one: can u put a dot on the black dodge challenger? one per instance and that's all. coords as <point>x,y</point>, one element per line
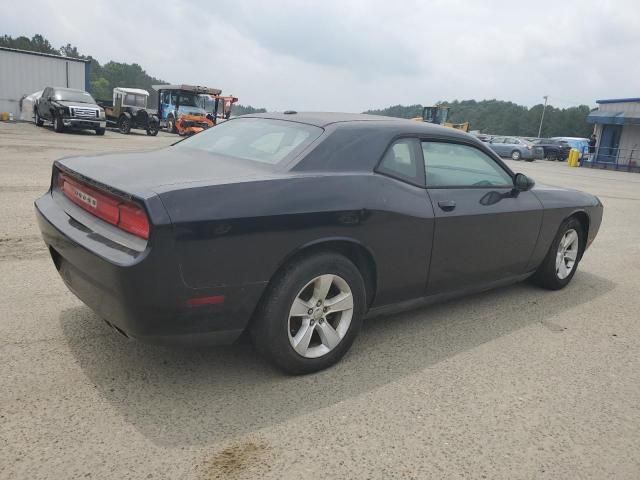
<point>294,226</point>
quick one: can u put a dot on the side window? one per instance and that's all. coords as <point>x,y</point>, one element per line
<point>401,161</point>
<point>497,140</point>
<point>511,141</point>
<point>456,165</point>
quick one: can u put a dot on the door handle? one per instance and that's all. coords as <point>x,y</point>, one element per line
<point>447,205</point>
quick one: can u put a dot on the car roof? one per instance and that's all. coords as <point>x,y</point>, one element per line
<point>338,119</point>
<point>136,91</point>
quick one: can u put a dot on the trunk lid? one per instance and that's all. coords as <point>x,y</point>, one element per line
<point>143,174</point>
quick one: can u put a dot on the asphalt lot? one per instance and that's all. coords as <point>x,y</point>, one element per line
<point>514,383</point>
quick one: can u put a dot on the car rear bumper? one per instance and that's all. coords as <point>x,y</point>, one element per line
<point>141,294</point>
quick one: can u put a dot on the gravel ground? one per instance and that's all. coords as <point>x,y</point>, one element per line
<point>514,383</point>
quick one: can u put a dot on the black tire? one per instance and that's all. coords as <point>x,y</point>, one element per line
<point>100,131</point>
<point>124,124</point>
<point>516,155</point>
<point>529,159</point>
<point>546,276</point>
<point>58,126</point>
<point>171,124</point>
<point>39,122</point>
<point>152,130</point>
<point>270,328</point>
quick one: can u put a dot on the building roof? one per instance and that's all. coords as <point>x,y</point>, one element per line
<point>619,100</point>
<point>614,118</point>
<point>40,54</point>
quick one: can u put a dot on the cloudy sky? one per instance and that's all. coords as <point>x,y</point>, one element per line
<point>353,55</point>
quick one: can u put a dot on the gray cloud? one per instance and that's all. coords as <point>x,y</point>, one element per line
<point>358,40</point>
<point>355,55</point>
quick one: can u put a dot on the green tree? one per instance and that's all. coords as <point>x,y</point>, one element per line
<point>101,89</point>
<point>506,118</point>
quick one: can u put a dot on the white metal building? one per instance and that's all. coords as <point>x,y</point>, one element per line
<point>23,73</point>
<point>617,128</point>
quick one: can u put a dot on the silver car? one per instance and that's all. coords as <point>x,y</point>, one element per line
<point>516,148</point>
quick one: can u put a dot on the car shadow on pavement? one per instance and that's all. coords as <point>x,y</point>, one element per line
<point>176,396</point>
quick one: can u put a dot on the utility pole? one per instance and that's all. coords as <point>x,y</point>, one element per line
<point>542,118</point>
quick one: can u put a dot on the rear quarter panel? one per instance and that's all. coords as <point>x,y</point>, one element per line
<point>242,233</point>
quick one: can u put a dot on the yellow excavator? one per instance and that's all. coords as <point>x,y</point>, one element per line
<point>438,114</point>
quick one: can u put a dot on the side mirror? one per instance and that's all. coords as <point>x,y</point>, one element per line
<point>522,183</point>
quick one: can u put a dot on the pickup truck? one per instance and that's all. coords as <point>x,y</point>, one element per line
<point>68,108</point>
<point>128,110</point>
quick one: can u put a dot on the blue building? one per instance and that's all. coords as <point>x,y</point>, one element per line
<point>617,128</point>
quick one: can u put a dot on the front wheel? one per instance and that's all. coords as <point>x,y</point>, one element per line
<point>171,124</point>
<point>310,314</point>
<point>100,131</point>
<point>38,120</point>
<point>152,130</point>
<point>58,125</point>
<point>124,124</point>
<point>560,264</point>
<point>515,155</point>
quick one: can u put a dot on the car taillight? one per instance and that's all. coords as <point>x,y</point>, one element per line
<point>134,220</point>
<point>124,215</point>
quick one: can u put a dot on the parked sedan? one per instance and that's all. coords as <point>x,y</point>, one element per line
<point>554,149</point>
<point>295,226</point>
<point>515,148</point>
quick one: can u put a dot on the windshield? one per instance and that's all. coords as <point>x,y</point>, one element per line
<point>135,100</point>
<point>258,139</point>
<point>72,96</point>
<point>188,100</point>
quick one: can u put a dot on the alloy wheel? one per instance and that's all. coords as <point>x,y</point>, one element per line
<point>320,316</point>
<point>567,254</point>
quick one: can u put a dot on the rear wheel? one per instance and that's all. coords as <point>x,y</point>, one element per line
<point>100,131</point>
<point>515,155</point>
<point>310,314</point>
<point>560,264</point>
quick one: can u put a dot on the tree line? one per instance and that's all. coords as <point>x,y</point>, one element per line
<point>488,116</point>
<point>506,118</point>
<point>104,78</point>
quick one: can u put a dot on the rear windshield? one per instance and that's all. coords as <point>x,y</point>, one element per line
<point>71,96</point>
<point>258,139</point>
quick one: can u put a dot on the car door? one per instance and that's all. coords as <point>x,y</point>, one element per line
<point>485,230</point>
<point>43,104</point>
<point>510,144</point>
<point>497,145</point>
